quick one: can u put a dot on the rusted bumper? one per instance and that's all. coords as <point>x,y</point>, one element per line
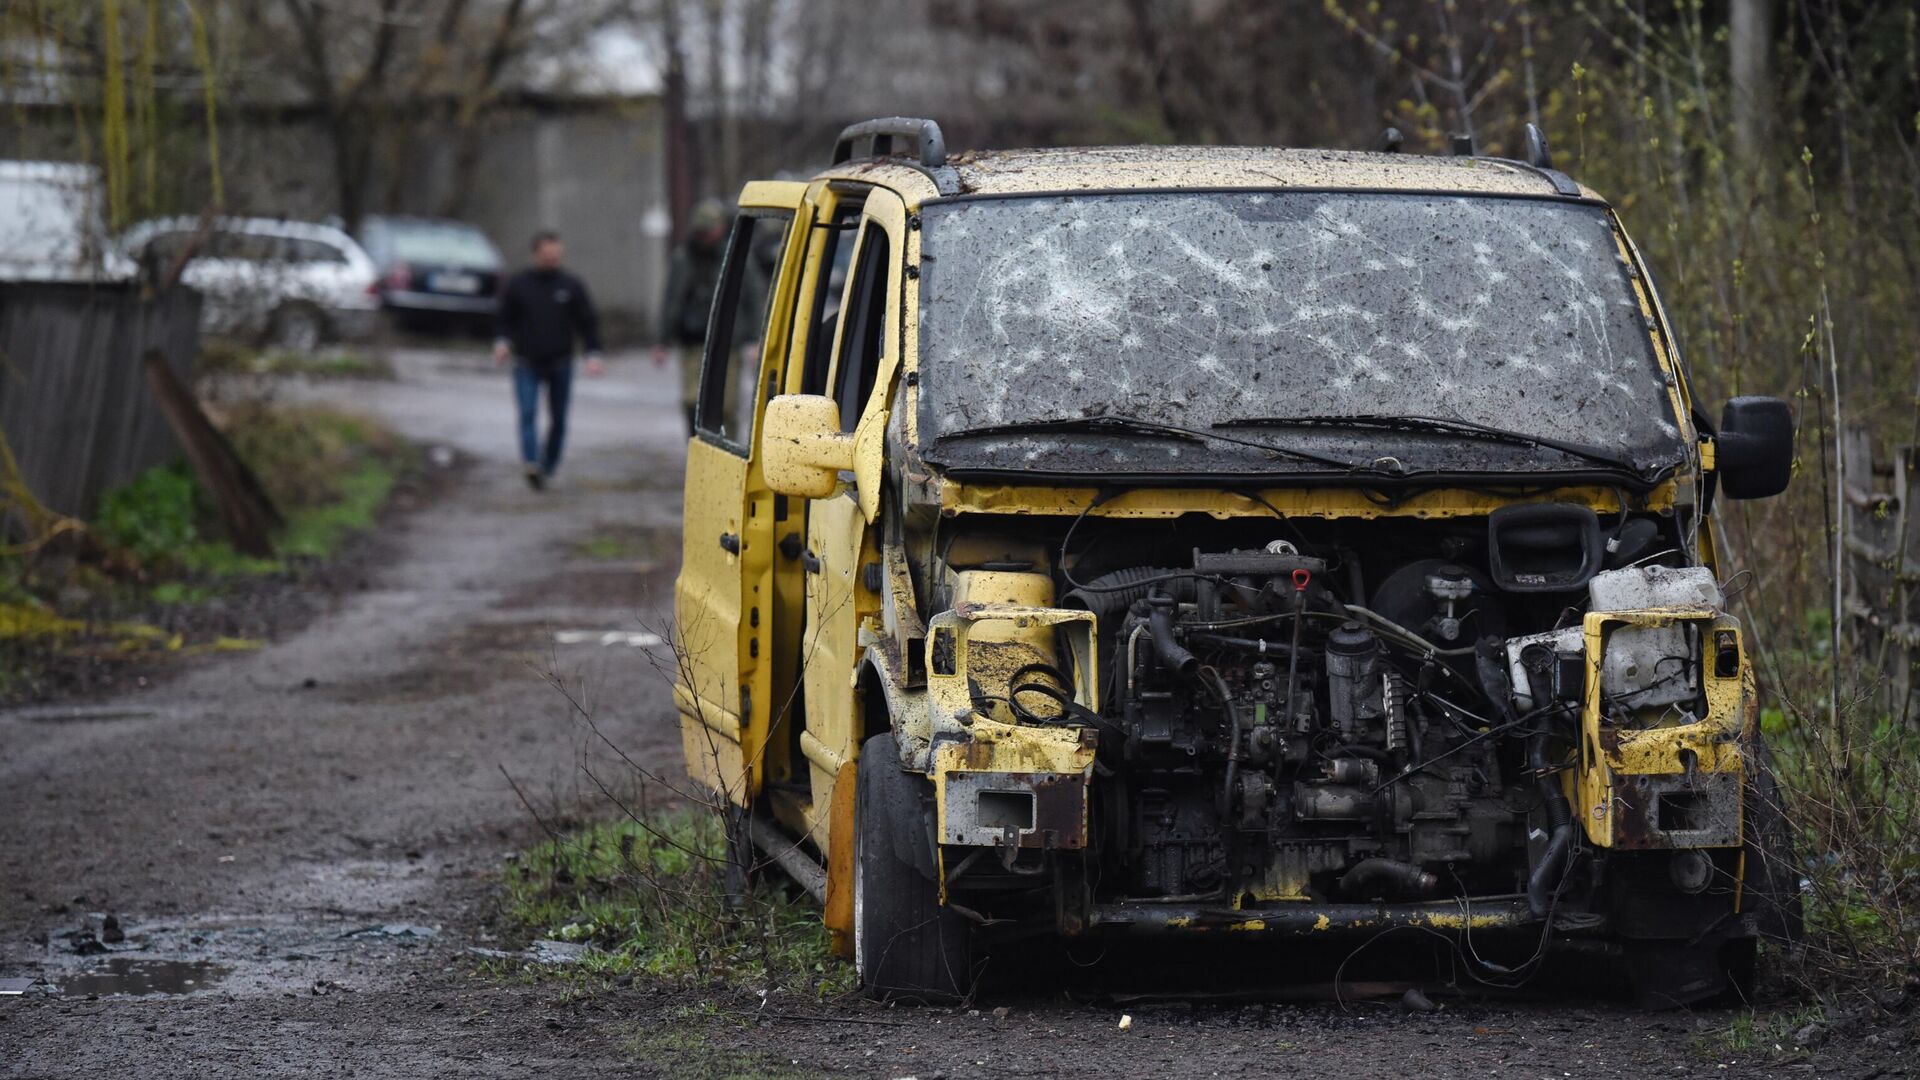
<point>1145,917</point>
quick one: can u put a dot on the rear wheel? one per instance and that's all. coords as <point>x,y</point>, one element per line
<point>298,328</point>
<point>906,944</point>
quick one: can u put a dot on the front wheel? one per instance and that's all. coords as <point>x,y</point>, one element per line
<point>906,944</point>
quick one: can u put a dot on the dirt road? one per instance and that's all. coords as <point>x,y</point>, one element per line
<point>299,844</point>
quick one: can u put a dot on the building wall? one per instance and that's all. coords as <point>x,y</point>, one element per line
<point>596,177</point>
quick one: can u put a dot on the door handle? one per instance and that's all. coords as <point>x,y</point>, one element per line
<point>730,543</point>
<point>810,562</point>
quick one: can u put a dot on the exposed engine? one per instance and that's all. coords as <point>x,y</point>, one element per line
<point>1274,733</point>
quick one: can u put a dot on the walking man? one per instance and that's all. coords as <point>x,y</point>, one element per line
<point>542,311</point>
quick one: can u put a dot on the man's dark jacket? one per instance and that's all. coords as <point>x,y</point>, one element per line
<point>539,313</point>
<point>692,275</point>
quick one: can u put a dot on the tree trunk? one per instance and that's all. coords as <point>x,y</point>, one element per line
<point>1749,40</point>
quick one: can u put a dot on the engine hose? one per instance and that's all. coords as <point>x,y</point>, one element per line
<point>1110,594</point>
<point>1293,662</point>
<point>1542,882</point>
<point>1385,876</point>
<point>1160,628</point>
<point>1233,744</point>
<point>1242,644</point>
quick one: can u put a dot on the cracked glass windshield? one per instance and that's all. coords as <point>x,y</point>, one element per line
<point>1236,315</point>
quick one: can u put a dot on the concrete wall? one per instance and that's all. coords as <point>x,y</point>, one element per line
<point>598,178</point>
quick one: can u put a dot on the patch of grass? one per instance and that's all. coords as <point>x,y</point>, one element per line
<point>688,1050</point>
<point>326,364</point>
<point>317,531</point>
<point>1757,1032</point>
<point>155,514</point>
<point>230,358</point>
<point>649,896</point>
<point>627,544</point>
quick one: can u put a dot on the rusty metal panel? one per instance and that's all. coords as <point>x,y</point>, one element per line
<point>1043,810</point>
<point>1689,810</point>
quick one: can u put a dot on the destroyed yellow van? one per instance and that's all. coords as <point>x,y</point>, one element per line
<point>1168,540</point>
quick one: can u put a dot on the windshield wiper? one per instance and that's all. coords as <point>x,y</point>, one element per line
<point>1129,425</point>
<point>1442,426</point>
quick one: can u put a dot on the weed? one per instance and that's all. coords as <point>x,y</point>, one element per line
<point>230,358</point>
<point>1757,1032</point>
<point>155,514</point>
<point>625,545</point>
<point>648,895</point>
<point>315,532</point>
<point>688,1050</point>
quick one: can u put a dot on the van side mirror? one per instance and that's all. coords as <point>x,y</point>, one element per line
<point>802,449</point>
<point>1754,451</point>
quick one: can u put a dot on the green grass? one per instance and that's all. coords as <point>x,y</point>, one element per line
<point>692,1047</point>
<point>648,897</point>
<point>317,531</point>
<point>628,544</point>
<point>229,358</point>
<point>327,364</point>
<point>1757,1032</point>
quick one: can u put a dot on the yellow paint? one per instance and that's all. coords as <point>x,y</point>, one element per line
<point>1714,739</point>
<point>1453,920</point>
<point>1322,923</point>
<point>1160,503</point>
<point>949,695</point>
<point>802,447</point>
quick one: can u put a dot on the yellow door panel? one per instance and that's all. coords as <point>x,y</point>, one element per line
<point>866,351</point>
<point>722,597</point>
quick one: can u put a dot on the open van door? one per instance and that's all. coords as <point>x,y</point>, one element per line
<point>723,593</point>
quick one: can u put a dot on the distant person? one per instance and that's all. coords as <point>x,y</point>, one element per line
<point>542,311</point>
<point>692,276</point>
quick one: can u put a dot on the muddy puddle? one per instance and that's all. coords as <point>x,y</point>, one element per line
<point>126,977</point>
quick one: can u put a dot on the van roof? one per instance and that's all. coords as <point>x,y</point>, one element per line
<point>1141,168</point>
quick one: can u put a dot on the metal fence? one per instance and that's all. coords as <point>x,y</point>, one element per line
<point>73,400</point>
<point>1882,536</point>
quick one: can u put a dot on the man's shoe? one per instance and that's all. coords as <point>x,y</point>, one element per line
<point>535,478</point>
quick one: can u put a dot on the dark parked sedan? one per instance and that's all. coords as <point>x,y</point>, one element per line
<point>435,274</point>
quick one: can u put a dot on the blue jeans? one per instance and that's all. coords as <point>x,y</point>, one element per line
<point>527,378</point>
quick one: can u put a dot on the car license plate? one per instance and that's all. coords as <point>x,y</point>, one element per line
<point>454,283</point>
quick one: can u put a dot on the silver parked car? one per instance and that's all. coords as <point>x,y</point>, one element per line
<point>293,284</point>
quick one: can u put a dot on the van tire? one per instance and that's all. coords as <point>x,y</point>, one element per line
<point>907,945</point>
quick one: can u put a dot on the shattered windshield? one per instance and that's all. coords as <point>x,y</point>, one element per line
<point>1243,313</point>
